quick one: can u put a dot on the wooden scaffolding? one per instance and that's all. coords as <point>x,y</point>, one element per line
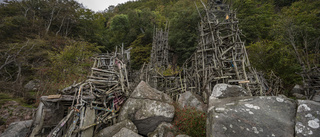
<point>221,56</point>
<point>81,109</point>
<point>160,61</point>
<point>160,48</point>
<point>311,82</point>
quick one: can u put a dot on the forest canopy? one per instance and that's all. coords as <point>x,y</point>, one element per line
<point>53,40</point>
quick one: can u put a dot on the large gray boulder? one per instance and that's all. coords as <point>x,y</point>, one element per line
<point>224,91</point>
<point>18,129</point>
<point>112,130</point>
<point>124,132</point>
<point>307,119</point>
<point>188,99</point>
<point>163,130</point>
<point>221,91</point>
<point>251,117</point>
<point>147,108</point>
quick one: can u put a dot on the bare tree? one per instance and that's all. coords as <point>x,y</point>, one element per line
<point>10,57</point>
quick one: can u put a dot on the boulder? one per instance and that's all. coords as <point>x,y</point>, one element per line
<point>251,117</point>
<point>112,130</point>
<point>188,99</point>
<point>145,91</point>
<point>163,130</point>
<point>147,108</point>
<point>18,129</point>
<point>297,89</point>
<point>221,91</point>
<point>224,90</point>
<point>307,119</point>
<point>12,111</point>
<point>124,132</point>
<point>316,98</point>
<point>32,85</point>
<point>299,96</point>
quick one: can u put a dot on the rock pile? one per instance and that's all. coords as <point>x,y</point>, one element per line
<point>231,112</point>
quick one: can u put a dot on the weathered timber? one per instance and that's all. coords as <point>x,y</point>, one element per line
<point>90,104</point>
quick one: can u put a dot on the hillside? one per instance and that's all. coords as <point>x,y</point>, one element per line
<point>52,41</point>
<point>49,45</point>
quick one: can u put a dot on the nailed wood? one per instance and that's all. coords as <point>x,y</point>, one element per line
<point>104,91</point>
<point>54,96</point>
<point>65,98</point>
<point>89,118</point>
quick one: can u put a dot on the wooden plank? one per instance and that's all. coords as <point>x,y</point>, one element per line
<point>99,78</point>
<point>244,81</point>
<point>88,120</point>
<point>104,71</point>
<point>54,96</point>
<point>65,98</point>
<point>72,127</point>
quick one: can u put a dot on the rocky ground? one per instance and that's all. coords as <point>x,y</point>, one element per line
<point>11,112</point>
<point>231,112</point>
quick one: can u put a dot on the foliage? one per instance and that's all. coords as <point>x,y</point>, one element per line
<point>118,29</point>
<point>271,29</point>
<point>68,66</point>
<point>279,33</point>
<point>256,19</point>
<point>270,56</point>
<point>140,52</point>
<point>190,121</point>
<point>183,35</point>
<point>4,97</point>
<point>17,58</point>
<point>73,59</point>
<point>169,71</point>
<point>38,42</point>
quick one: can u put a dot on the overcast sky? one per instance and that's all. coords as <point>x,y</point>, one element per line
<point>100,5</point>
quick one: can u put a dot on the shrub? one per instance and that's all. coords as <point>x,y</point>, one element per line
<point>190,121</point>
<point>67,66</point>
<point>169,71</point>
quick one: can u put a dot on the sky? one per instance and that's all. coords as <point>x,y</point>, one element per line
<point>100,5</point>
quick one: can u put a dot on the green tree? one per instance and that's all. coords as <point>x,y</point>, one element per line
<point>140,52</point>
<point>256,19</point>
<point>269,56</point>
<point>183,35</point>
<point>118,30</point>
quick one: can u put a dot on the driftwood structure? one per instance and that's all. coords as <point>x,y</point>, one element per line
<point>159,72</point>
<point>311,82</point>
<point>89,105</point>
<point>274,86</point>
<point>221,56</point>
<point>160,48</point>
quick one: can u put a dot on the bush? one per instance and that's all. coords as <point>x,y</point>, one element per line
<point>169,71</point>
<point>190,121</point>
<point>68,66</point>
